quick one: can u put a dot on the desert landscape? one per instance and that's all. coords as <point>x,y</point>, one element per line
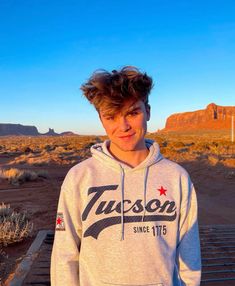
<point>51,55</point>
<point>32,170</point>
<point>33,167</point>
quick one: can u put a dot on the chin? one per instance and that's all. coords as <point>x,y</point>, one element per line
<point>127,147</point>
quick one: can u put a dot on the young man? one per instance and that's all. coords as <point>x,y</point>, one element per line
<point>127,215</point>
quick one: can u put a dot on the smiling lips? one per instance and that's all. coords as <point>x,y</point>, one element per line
<point>126,136</point>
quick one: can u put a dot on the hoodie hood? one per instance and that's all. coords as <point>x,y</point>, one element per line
<point>100,152</point>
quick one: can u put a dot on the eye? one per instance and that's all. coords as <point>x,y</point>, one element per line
<point>133,113</point>
<point>109,118</point>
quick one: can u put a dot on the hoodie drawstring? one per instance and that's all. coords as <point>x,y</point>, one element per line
<point>122,202</point>
<point>122,179</point>
<point>145,189</point>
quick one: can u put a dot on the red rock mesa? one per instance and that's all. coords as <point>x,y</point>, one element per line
<point>214,117</point>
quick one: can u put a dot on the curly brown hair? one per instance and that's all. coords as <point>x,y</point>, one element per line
<point>109,91</point>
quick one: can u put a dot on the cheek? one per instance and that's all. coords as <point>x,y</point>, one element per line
<point>140,124</point>
<point>109,128</point>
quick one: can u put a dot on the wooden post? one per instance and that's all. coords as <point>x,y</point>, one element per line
<point>232,130</point>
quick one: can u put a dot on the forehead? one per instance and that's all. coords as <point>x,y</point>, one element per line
<point>126,107</point>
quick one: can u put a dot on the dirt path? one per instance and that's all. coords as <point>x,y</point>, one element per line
<point>215,192</point>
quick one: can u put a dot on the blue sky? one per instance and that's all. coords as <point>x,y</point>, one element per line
<point>49,48</point>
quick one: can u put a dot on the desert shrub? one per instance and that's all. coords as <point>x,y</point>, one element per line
<point>213,159</point>
<point>26,149</point>
<point>16,176</point>
<point>67,153</point>
<point>22,159</point>
<point>39,161</point>
<point>229,162</point>
<point>226,148</point>
<point>230,175</point>
<point>14,226</point>
<point>189,144</point>
<point>58,156</point>
<point>42,174</point>
<point>203,147</point>
<point>60,149</point>
<point>49,148</point>
<point>183,150</point>
<point>214,148</point>
<point>178,144</point>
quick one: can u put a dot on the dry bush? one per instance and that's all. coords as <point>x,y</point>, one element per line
<point>60,149</point>
<point>179,153</point>
<point>14,226</point>
<point>60,154</point>
<point>38,159</point>
<point>69,150</point>
<point>16,176</point>
<point>26,144</point>
<point>42,174</point>
<point>213,160</point>
<point>200,147</point>
<point>176,144</point>
<point>196,146</point>
<point>229,162</point>
<point>230,175</point>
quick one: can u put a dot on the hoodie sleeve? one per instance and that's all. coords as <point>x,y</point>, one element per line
<point>65,253</point>
<point>188,255</point>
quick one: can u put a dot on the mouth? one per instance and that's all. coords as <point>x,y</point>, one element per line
<point>126,136</point>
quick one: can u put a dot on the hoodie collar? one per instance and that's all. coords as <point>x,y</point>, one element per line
<point>100,152</point>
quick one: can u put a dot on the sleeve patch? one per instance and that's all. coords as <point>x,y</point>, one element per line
<point>60,222</point>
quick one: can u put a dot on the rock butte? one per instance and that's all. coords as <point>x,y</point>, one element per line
<point>214,117</point>
<point>7,129</point>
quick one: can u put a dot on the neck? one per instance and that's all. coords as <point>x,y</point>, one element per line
<point>130,158</point>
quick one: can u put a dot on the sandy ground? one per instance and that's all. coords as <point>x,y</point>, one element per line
<point>215,186</point>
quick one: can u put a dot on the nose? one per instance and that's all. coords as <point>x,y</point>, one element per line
<point>124,124</point>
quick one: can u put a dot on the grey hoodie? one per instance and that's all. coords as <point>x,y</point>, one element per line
<point>118,225</point>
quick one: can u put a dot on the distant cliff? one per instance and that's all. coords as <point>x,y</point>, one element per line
<point>17,129</point>
<point>7,129</point>
<point>214,117</point>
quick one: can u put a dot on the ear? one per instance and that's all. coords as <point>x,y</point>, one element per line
<point>148,109</point>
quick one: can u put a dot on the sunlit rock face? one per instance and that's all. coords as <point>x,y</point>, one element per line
<point>214,117</point>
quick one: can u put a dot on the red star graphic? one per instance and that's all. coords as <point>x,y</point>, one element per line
<point>59,220</point>
<point>162,191</point>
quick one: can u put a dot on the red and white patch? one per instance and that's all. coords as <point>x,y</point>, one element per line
<point>60,222</point>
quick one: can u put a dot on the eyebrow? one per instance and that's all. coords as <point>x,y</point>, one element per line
<point>107,114</point>
<point>133,108</point>
<point>130,109</point>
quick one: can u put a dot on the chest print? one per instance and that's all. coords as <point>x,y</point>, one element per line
<point>155,210</point>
